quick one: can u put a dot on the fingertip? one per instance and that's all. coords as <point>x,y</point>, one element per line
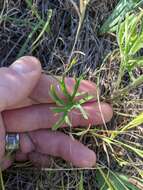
<point>107,111</point>
<point>26,64</point>
<point>86,158</point>
<point>18,81</point>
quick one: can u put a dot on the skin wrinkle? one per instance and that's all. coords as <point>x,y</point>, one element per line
<point>61,150</point>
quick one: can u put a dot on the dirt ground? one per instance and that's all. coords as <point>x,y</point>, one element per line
<point>53,51</point>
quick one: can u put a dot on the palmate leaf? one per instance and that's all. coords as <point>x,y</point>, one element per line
<point>119,13</point>
<point>55,97</point>
<point>64,89</point>
<point>70,103</point>
<point>77,83</point>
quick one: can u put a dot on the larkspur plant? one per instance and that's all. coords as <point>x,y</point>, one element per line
<point>71,102</point>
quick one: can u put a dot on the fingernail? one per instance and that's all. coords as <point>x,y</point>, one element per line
<point>25,64</point>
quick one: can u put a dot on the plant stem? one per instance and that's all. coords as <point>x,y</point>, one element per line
<point>137,82</point>
<point>121,72</point>
<point>81,19</point>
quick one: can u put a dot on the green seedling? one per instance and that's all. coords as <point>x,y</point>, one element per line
<point>122,8</point>
<point>71,102</point>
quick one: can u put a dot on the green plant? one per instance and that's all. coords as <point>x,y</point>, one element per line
<point>40,27</point>
<point>81,10</point>
<point>70,102</point>
<point>119,13</point>
<point>107,179</point>
<point>1,181</point>
<point>130,41</point>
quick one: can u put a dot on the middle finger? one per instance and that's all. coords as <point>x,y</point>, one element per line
<point>41,116</point>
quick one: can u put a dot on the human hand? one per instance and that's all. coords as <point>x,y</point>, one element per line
<point>18,93</point>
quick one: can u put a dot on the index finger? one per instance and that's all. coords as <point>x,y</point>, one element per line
<point>41,93</point>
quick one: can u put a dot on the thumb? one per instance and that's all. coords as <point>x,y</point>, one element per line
<point>17,81</point>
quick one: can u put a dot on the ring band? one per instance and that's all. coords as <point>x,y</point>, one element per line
<point>12,142</point>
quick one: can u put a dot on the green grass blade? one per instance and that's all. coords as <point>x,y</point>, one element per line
<point>134,123</point>
<point>34,10</point>
<point>81,187</point>
<point>23,50</point>
<point>119,13</point>
<point>1,181</point>
<point>137,45</point>
<point>125,180</point>
<point>44,29</point>
<point>106,180</point>
<point>138,61</point>
<point>137,151</point>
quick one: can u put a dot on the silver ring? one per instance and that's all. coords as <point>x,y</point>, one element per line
<point>12,142</point>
